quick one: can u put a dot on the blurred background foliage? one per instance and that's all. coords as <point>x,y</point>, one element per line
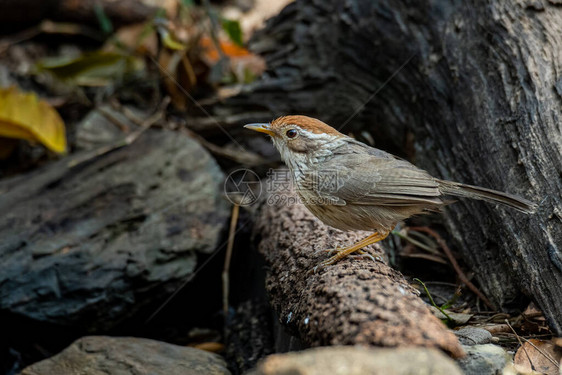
<point>76,60</point>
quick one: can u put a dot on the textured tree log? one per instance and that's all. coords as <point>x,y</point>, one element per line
<point>355,301</point>
<point>90,245</point>
<point>470,91</point>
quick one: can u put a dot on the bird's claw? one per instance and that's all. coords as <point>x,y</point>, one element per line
<point>364,254</point>
<point>320,266</point>
<point>314,270</point>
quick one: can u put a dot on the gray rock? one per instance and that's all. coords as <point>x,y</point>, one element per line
<point>350,360</point>
<point>99,355</point>
<point>96,129</point>
<point>473,336</point>
<point>486,359</point>
<point>90,244</point>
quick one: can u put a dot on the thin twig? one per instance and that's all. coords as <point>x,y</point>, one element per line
<point>19,37</point>
<point>416,242</point>
<point>464,279</point>
<point>48,27</point>
<point>423,238</point>
<point>127,140</point>
<point>188,67</point>
<point>546,355</point>
<point>227,258</point>
<point>124,127</point>
<point>131,116</point>
<point>521,343</point>
<point>429,257</point>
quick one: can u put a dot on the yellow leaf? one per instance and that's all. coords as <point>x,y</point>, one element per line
<point>24,116</point>
<point>171,43</point>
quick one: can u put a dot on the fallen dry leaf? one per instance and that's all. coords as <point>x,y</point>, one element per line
<point>211,55</point>
<point>532,310</point>
<point>24,116</point>
<point>538,355</point>
<point>457,318</point>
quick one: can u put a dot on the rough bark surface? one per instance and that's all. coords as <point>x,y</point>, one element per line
<point>469,90</point>
<point>355,301</point>
<point>90,245</point>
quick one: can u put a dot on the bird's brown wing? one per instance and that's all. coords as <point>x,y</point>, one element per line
<point>374,178</point>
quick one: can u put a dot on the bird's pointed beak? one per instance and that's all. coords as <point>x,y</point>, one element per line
<point>262,128</point>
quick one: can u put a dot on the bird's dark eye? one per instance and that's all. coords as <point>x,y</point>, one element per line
<point>291,133</point>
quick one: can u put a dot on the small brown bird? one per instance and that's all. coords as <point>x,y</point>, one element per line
<point>351,186</point>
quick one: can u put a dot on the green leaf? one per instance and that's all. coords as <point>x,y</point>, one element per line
<point>97,68</point>
<point>105,23</point>
<point>169,41</point>
<point>233,30</point>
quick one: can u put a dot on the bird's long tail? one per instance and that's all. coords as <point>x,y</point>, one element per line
<point>476,192</point>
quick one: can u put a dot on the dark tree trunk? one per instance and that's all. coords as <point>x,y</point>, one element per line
<point>17,14</point>
<point>469,90</point>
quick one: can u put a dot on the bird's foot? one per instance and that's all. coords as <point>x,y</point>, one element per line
<point>356,248</point>
<point>358,254</point>
<point>336,250</point>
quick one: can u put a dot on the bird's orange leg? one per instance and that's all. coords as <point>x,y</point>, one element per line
<point>373,238</point>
